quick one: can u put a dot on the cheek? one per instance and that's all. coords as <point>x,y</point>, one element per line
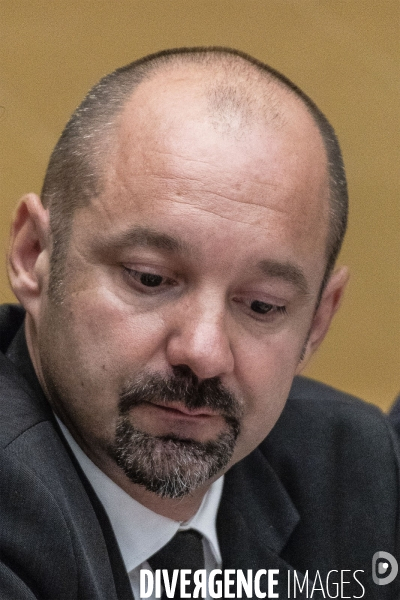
<point>266,373</point>
<point>90,347</point>
<point>110,337</point>
<point>269,365</point>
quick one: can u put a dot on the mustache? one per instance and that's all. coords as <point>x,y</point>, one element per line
<point>185,387</point>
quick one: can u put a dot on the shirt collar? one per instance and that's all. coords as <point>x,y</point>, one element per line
<point>140,532</point>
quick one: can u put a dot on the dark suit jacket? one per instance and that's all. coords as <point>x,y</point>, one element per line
<point>395,414</point>
<point>320,493</point>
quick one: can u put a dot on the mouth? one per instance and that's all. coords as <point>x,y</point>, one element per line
<point>159,418</point>
<point>181,410</point>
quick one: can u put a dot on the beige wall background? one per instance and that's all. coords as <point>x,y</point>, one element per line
<point>343,53</point>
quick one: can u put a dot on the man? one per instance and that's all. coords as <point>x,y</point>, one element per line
<point>176,274</point>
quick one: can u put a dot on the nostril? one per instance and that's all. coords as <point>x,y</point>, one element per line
<point>184,372</point>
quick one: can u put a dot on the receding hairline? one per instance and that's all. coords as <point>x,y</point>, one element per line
<point>73,177</point>
<point>230,81</point>
<point>236,82</point>
<point>232,97</point>
<point>229,65</point>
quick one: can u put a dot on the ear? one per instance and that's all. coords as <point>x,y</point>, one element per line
<point>28,255</point>
<point>330,302</point>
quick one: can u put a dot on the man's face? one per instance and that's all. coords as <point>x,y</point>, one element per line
<point>190,287</point>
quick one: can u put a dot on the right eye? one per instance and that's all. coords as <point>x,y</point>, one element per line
<point>145,279</point>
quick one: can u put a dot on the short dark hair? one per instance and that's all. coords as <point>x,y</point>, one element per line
<point>73,175</point>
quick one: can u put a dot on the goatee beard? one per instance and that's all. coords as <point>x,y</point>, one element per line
<point>167,465</point>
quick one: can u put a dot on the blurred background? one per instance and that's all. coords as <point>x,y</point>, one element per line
<point>343,53</point>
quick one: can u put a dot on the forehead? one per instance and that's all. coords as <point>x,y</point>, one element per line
<point>184,145</point>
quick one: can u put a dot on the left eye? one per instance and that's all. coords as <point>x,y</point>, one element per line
<point>150,280</point>
<point>263,308</point>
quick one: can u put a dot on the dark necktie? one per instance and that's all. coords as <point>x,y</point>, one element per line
<point>184,551</point>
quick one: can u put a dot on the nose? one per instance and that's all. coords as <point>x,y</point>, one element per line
<point>199,340</point>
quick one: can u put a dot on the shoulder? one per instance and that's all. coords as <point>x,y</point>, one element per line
<point>319,418</point>
<point>322,408</point>
<point>31,494</point>
<point>338,459</point>
<point>51,541</point>
<point>11,318</point>
<point>51,537</point>
<point>20,409</point>
<point>329,447</point>
<point>305,389</point>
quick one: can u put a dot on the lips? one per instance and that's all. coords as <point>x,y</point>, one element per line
<point>179,408</point>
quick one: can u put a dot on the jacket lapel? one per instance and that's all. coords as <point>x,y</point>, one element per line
<point>255,521</point>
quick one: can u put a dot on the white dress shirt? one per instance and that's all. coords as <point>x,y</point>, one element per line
<point>140,532</point>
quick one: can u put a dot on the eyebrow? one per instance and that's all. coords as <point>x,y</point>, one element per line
<point>147,237</point>
<point>150,238</point>
<point>286,271</point>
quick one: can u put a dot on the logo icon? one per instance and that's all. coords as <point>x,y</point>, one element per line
<point>384,568</point>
